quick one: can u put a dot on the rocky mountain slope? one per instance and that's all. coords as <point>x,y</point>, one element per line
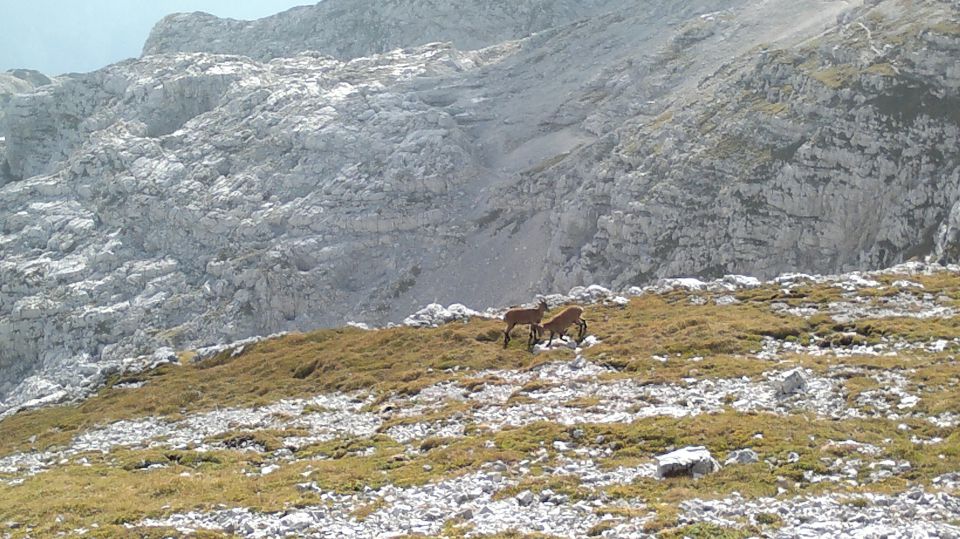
<point>191,198</point>
<point>806,406</point>
<point>836,154</point>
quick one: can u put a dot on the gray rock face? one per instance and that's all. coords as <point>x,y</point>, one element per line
<point>15,81</point>
<point>31,76</point>
<point>147,225</point>
<point>5,176</point>
<point>18,81</point>
<point>189,199</point>
<point>10,85</point>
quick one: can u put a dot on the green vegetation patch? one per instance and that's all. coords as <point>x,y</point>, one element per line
<point>781,435</point>
<point>121,487</point>
<point>883,69</point>
<point>706,531</point>
<point>660,325</point>
<point>946,27</point>
<point>836,77</point>
<point>401,360</point>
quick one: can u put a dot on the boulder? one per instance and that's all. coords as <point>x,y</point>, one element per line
<point>792,383</point>
<point>694,461</point>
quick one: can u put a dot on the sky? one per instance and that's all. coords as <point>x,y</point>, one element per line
<point>63,36</point>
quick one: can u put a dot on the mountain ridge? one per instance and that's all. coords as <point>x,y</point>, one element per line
<point>352,29</point>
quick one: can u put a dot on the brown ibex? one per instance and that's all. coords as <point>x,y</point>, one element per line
<point>531,317</point>
<point>558,324</point>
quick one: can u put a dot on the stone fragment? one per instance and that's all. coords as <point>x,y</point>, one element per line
<point>525,498</point>
<point>296,522</point>
<point>742,456</point>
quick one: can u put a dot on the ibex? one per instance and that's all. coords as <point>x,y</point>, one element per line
<point>558,324</point>
<point>532,317</point>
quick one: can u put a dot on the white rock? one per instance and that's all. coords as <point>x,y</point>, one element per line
<point>694,461</point>
<point>298,522</point>
<point>435,315</point>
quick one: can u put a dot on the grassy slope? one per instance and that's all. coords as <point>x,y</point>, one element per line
<point>111,489</point>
